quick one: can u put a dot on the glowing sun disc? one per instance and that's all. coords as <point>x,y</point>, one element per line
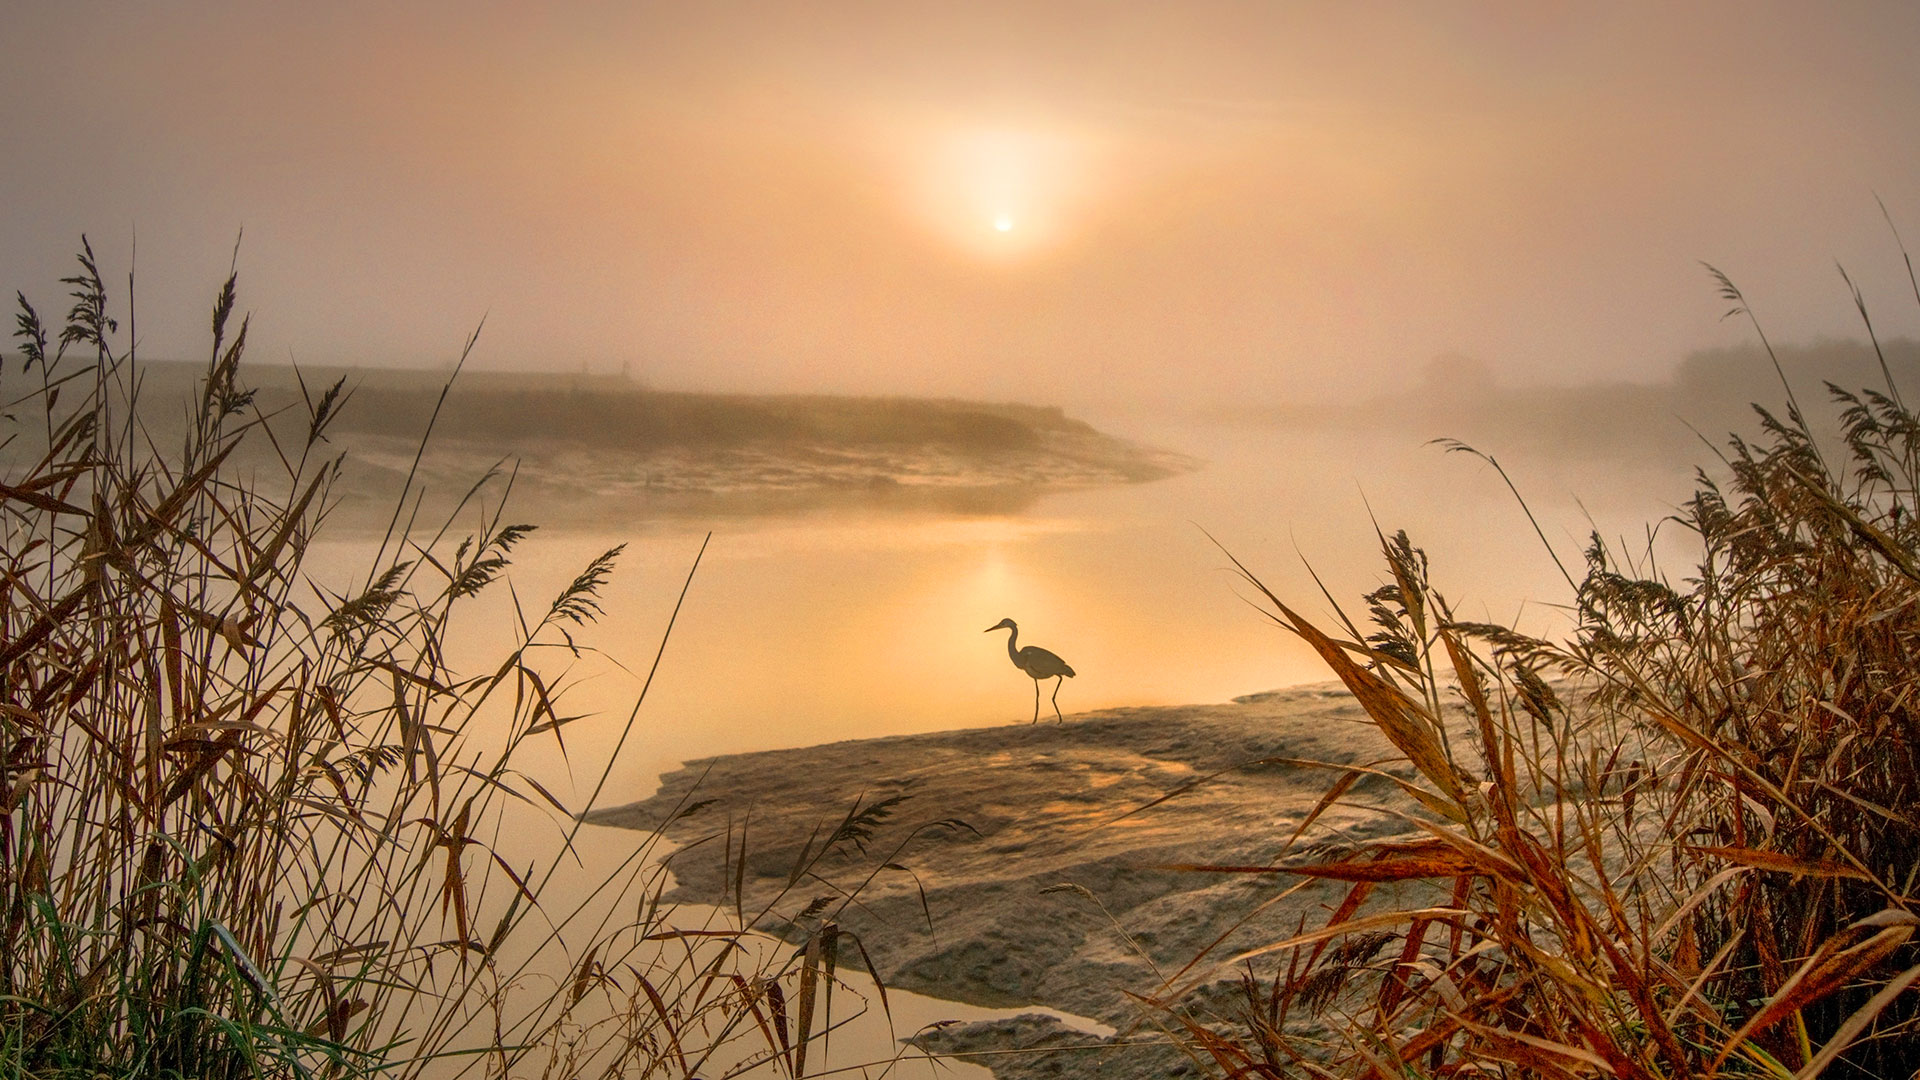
<point>1003,223</point>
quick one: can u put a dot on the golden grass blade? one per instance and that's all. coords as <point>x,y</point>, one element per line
<point>1830,968</point>
<point>1402,721</point>
<point>1559,1053</point>
<point>667,1024</point>
<point>1337,790</point>
<point>269,554</point>
<point>777,1005</point>
<point>809,985</point>
<point>1780,862</point>
<point>1379,921</point>
<point>1848,1032</point>
<point>1383,862</point>
<point>1490,742</point>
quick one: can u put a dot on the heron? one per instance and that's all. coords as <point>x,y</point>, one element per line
<point>1038,663</point>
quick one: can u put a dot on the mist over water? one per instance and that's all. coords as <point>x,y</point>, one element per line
<point>1207,202</point>
<point>833,625</point>
<point>801,628</point>
<point>829,606</point>
<point>819,622</point>
<point>899,320</point>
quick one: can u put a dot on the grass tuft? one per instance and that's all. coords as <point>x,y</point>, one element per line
<point>249,822</point>
<point>1684,841</point>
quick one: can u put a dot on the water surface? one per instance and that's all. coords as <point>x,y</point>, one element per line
<point>809,628</point>
<point>828,625</point>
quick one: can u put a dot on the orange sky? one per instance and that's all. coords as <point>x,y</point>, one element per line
<point>1205,201</point>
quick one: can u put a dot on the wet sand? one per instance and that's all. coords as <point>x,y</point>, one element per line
<point>1044,806</point>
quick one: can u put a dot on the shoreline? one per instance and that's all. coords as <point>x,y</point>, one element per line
<point>1059,890</point>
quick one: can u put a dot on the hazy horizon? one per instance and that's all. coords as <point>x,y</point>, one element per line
<point>1216,203</point>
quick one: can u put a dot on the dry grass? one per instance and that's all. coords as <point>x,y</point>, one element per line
<point>251,824</point>
<point>1682,843</point>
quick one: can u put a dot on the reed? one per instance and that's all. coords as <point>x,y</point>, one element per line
<point>251,823</point>
<point>1682,842</point>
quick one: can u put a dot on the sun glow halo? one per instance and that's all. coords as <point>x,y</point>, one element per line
<point>1026,184</point>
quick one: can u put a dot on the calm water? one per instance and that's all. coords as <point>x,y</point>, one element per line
<point>801,630</point>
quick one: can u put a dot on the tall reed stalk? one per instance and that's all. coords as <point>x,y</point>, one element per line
<point>249,822</point>
<point>1682,843</point>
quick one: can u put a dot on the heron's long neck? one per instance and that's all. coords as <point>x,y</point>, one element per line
<point>1013,636</point>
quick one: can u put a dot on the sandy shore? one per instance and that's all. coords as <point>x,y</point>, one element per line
<point>1044,807</point>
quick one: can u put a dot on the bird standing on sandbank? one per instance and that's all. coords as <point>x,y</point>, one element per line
<point>1038,663</point>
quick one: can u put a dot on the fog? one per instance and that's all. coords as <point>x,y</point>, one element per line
<point>1289,245</point>
<point>1203,204</point>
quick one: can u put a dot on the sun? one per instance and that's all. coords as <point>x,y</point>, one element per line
<point>1001,193</point>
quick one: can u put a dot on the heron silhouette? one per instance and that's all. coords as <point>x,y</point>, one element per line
<point>1038,663</point>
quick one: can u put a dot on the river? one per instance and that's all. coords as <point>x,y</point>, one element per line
<point>801,629</point>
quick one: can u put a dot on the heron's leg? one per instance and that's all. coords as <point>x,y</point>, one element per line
<point>1058,681</point>
<point>1036,702</point>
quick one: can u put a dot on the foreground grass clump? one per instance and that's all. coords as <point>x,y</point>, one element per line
<point>1683,843</point>
<point>250,824</point>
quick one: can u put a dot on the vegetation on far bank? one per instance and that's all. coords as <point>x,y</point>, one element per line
<point>1658,421</point>
<point>602,452</point>
<point>615,413</point>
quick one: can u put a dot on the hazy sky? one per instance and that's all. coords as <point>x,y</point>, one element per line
<point>1058,202</point>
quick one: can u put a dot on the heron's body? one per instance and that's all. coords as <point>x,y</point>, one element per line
<point>1038,663</point>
